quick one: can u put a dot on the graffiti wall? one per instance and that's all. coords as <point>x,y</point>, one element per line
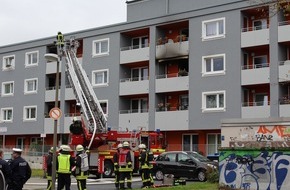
<point>250,169</point>
<point>256,136</point>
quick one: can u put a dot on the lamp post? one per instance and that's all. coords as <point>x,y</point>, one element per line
<point>54,57</point>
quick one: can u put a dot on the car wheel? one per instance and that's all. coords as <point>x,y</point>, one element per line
<point>201,176</point>
<point>159,175</point>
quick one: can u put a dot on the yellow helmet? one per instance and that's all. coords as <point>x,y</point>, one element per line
<point>79,148</point>
<point>125,144</point>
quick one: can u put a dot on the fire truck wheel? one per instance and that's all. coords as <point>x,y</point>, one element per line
<point>159,175</point>
<point>108,169</point>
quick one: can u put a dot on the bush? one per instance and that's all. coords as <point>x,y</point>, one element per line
<point>213,176</point>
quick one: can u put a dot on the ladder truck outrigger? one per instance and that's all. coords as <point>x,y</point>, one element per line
<point>91,129</point>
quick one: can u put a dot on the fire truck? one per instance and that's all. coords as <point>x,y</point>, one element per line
<point>91,130</point>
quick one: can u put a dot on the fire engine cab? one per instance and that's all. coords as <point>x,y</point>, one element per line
<point>91,130</point>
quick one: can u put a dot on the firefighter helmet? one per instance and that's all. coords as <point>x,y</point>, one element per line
<point>125,144</point>
<point>79,148</point>
<point>142,146</point>
<point>120,145</point>
<point>51,149</point>
<point>66,148</point>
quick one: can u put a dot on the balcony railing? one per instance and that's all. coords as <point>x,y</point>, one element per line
<point>283,23</point>
<point>171,75</point>
<point>133,111</point>
<point>171,108</point>
<point>255,28</point>
<point>255,66</point>
<point>134,47</point>
<point>284,100</point>
<point>260,103</point>
<point>132,79</point>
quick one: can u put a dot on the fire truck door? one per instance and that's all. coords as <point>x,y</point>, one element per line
<point>145,140</point>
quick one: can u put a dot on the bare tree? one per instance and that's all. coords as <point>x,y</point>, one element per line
<point>273,6</point>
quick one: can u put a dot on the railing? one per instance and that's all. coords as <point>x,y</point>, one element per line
<point>134,47</point>
<point>52,88</point>
<point>171,75</point>
<point>285,100</point>
<point>260,103</point>
<point>171,108</point>
<point>255,28</point>
<point>255,66</point>
<point>133,79</point>
<point>165,40</point>
<point>283,23</point>
<point>133,111</point>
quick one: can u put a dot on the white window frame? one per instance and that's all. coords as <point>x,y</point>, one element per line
<point>34,91</point>
<point>217,109</point>
<point>216,21</point>
<point>94,78</point>
<point>28,109</point>
<point>106,102</point>
<point>140,44</point>
<point>94,48</point>
<point>27,63</point>
<point>212,72</point>
<point>4,112</point>
<point>10,65</point>
<point>3,88</point>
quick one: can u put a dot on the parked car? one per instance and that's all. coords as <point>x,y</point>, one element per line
<point>183,164</point>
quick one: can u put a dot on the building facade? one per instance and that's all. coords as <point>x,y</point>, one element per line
<point>177,66</point>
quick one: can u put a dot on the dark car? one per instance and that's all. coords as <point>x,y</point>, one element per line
<point>183,164</point>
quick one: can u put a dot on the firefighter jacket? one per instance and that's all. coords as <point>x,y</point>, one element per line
<point>49,164</point>
<point>125,161</point>
<point>116,161</point>
<point>64,163</point>
<point>82,166</point>
<point>145,159</point>
<point>21,171</point>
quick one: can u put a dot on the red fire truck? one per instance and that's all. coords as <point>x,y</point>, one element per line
<point>91,130</point>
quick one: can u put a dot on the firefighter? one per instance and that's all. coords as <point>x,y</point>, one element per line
<point>60,39</point>
<point>116,166</point>
<point>125,166</point>
<point>82,167</point>
<point>21,170</point>
<point>144,166</point>
<point>49,164</point>
<point>63,165</point>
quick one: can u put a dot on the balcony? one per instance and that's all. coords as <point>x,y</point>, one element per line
<point>69,93</point>
<point>254,36</point>
<point>51,66</point>
<point>256,109</point>
<point>172,49</point>
<point>49,125</point>
<point>133,119</point>
<point>255,74</point>
<point>133,54</point>
<point>130,86</point>
<point>171,120</point>
<point>284,70</point>
<point>284,31</point>
<point>171,83</point>
<point>50,94</point>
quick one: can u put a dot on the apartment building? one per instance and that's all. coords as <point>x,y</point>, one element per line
<point>179,68</point>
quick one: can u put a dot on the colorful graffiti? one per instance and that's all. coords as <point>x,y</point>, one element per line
<point>255,169</point>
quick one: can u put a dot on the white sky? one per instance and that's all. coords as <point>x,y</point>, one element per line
<point>24,20</point>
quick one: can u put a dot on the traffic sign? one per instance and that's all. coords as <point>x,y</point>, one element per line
<point>55,113</point>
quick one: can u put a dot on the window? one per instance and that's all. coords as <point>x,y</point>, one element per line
<point>139,74</point>
<point>8,62</point>
<point>101,47</point>
<point>213,143</point>
<point>213,101</point>
<point>190,142</point>
<point>261,99</point>
<point>140,42</point>
<point>183,99</point>
<point>31,59</point>
<point>100,77</point>
<point>213,29</point>
<point>29,113</point>
<point>260,24</point>
<point>30,86</point>
<point>7,114</point>
<point>8,88</point>
<point>139,105</point>
<point>104,106</point>
<point>213,65</point>
<point>260,61</point>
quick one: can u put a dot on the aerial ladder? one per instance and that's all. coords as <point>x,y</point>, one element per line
<point>93,120</point>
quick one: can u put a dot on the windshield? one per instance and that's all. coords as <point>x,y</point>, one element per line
<point>198,157</point>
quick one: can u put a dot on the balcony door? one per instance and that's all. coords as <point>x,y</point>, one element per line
<point>139,74</point>
<point>139,105</point>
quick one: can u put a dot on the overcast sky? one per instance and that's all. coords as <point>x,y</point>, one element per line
<point>24,20</point>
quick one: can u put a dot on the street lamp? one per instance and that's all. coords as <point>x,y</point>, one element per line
<point>54,57</point>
